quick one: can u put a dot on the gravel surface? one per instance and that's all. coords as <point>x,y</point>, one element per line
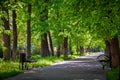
<point>83,68</point>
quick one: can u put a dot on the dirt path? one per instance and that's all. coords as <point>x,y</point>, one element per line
<point>83,68</point>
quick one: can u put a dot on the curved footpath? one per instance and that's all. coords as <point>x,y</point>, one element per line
<point>83,68</point>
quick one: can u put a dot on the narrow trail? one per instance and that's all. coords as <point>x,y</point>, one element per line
<point>83,68</point>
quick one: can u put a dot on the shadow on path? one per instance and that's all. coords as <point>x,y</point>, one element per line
<point>83,68</point>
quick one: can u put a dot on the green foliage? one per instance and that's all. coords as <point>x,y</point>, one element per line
<point>8,69</point>
<point>85,23</point>
<point>113,74</point>
<point>9,74</point>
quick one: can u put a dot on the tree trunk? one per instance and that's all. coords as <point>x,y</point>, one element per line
<point>58,51</point>
<point>29,33</point>
<point>44,46</point>
<point>58,47</point>
<point>14,35</point>
<point>81,50</point>
<point>70,47</point>
<point>44,24</point>
<point>108,51</point>
<point>115,52</point>
<point>50,44</point>
<point>77,48</point>
<point>65,47</point>
<point>6,37</point>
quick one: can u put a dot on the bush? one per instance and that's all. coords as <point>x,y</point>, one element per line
<point>113,74</point>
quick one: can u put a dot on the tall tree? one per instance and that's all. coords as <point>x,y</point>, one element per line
<point>29,32</point>
<point>65,46</point>
<point>6,35</point>
<point>14,34</point>
<point>44,24</point>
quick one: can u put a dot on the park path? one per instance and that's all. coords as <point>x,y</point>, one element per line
<point>83,68</point>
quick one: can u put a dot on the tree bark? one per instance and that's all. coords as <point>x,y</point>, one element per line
<point>14,35</point>
<point>108,51</point>
<point>6,37</point>
<point>44,41</point>
<point>44,46</point>
<point>50,44</point>
<point>81,50</point>
<point>29,33</point>
<point>58,47</point>
<point>115,51</point>
<point>70,47</point>
<point>65,47</point>
<point>58,51</point>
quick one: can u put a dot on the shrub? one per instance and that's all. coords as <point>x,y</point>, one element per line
<point>113,74</point>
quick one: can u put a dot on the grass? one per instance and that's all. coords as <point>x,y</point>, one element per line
<point>8,74</point>
<point>113,74</point>
<point>8,69</point>
<point>46,61</point>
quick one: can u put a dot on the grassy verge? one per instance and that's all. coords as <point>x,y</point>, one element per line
<point>9,69</point>
<point>46,61</point>
<point>113,74</point>
<point>8,74</point>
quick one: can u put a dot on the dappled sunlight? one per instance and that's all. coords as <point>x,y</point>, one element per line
<point>82,63</point>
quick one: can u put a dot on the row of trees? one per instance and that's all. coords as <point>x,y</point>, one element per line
<point>67,25</point>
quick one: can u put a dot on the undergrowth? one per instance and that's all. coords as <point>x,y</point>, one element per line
<point>113,74</point>
<point>8,69</point>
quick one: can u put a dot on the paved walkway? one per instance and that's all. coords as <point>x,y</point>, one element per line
<point>83,68</point>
